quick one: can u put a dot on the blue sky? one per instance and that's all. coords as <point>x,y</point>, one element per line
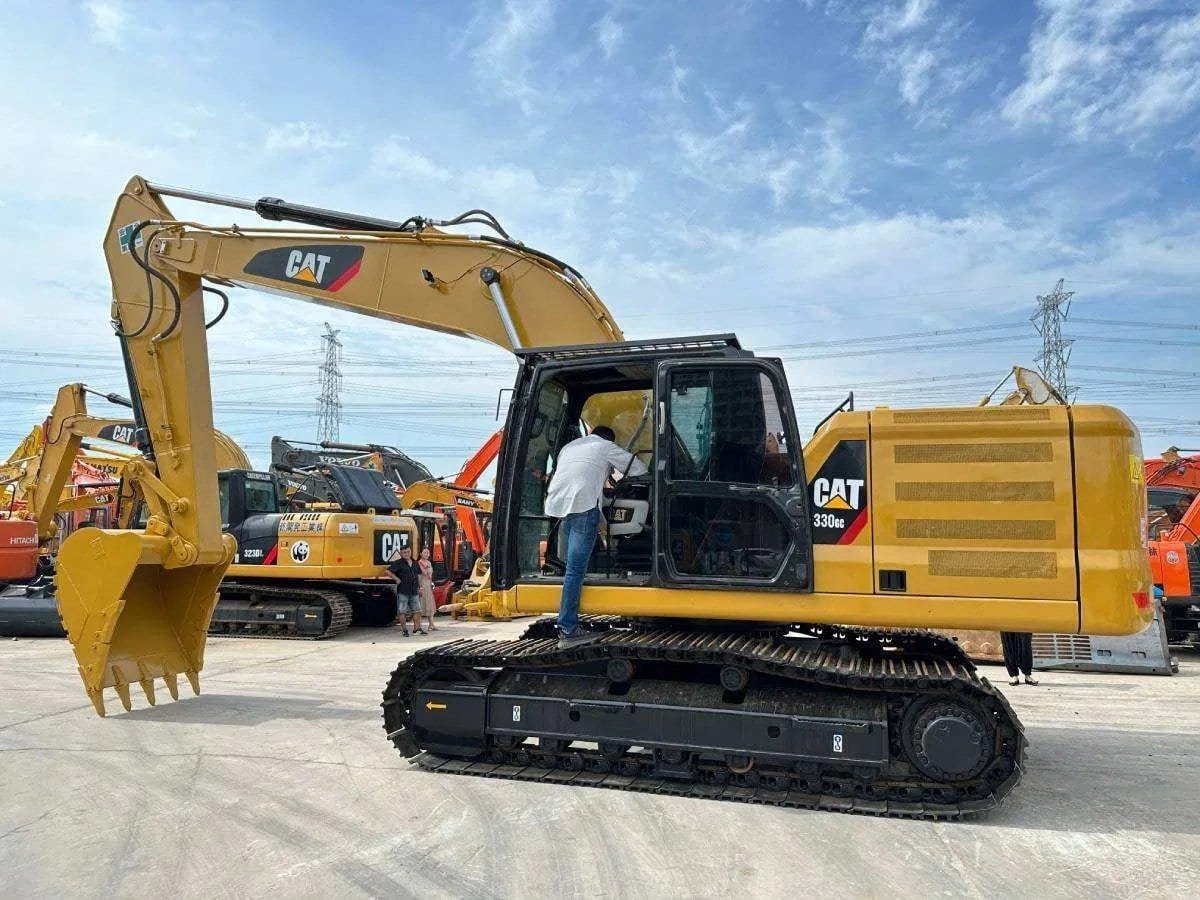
<point>874,191</point>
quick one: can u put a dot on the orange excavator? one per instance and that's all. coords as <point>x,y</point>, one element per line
<point>461,541</point>
<point>1173,495</point>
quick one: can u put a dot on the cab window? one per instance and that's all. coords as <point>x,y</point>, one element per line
<point>260,497</point>
<point>727,426</point>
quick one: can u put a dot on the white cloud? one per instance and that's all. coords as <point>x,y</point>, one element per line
<point>678,75</point>
<point>1109,67</point>
<point>609,35</point>
<point>395,157</point>
<point>504,47</point>
<point>727,146</point>
<point>895,19</point>
<point>298,137</point>
<point>915,41</point>
<point>108,20</point>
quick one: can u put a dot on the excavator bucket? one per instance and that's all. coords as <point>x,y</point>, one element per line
<point>130,619</point>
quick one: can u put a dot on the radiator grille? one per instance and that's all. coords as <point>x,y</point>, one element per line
<point>970,414</point>
<point>977,529</point>
<point>1062,647</point>
<point>975,490</point>
<point>993,563</point>
<point>973,453</point>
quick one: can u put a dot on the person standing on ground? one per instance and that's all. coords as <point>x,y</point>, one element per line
<point>1018,655</point>
<point>425,581</point>
<point>576,491</point>
<point>407,575</point>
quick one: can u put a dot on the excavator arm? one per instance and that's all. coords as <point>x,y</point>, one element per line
<point>12,470</point>
<point>65,432</point>
<point>474,467</point>
<point>466,502</point>
<point>47,475</point>
<point>137,604</point>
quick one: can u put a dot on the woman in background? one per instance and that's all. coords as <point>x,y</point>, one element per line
<point>425,580</point>
<point>1018,655</point>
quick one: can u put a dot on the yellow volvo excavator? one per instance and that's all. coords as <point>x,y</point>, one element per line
<point>758,602</point>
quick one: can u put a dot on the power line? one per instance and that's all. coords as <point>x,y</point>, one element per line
<point>1112,323</point>
<point>1132,340</point>
<point>862,339</point>
<point>907,348</point>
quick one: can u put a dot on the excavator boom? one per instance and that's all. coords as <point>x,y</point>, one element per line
<point>137,604</point>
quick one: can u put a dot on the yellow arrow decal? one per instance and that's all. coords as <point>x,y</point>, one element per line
<point>432,705</point>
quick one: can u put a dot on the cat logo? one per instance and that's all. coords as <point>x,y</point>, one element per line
<point>329,267</point>
<point>388,545</point>
<point>308,267</point>
<point>123,434</point>
<point>840,498</point>
<point>837,493</point>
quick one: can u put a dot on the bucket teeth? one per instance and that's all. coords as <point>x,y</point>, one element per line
<point>97,698</point>
<point>123,693</point>
<point>146,680</point>
<point>193,678</point>
<point>172,681</point>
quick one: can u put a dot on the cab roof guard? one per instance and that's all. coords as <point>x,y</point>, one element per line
<point>704,343</point>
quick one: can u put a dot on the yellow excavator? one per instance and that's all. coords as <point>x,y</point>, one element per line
<point>44,474</point>
<point>309,572</point>
<point>39,486</point>
<point>760,605</point>
<point>297,575</point>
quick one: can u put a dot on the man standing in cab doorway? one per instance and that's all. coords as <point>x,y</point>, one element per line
<point>576,491</point>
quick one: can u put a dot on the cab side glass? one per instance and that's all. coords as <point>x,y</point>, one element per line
<point>727,426</point>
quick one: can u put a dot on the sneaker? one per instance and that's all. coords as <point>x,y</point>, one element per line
<point>407,633</point>
<point>424,630</point>
<point>578,638</point>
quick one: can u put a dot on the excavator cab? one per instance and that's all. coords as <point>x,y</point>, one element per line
<point>250,511</point>
<point>724,502</point>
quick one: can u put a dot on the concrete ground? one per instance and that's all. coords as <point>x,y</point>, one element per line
<point>278,781</point>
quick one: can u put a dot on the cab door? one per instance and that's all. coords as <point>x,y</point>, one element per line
<point>731,506</point>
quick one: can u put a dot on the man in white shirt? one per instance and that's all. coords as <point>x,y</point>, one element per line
<point>576,491</point>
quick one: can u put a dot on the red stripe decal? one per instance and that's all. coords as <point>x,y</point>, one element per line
<point>346,276</point>
<point>269,560</point>
<point>856,526</point>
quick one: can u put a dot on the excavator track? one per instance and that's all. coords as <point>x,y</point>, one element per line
<point>280,612</point>
<point>925,736</point>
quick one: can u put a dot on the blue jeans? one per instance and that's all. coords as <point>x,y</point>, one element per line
<point>580,530</point>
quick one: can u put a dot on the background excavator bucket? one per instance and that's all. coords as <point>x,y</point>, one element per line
<point>130,619</point>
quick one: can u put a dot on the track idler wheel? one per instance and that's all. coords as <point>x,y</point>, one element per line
<point>619,670</point>
<point>947,740</point>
